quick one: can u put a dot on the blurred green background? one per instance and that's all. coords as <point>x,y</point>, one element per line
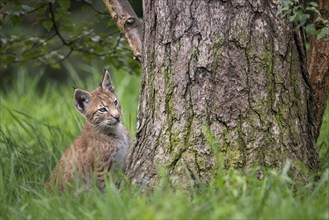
<point>38,120</point>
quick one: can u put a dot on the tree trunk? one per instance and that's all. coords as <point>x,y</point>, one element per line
<point>318,67</point>
<point>227,69</point>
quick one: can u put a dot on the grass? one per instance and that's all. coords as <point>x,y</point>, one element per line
<point>37,124</point>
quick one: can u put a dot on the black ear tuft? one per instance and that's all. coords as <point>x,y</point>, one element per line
<point>81,100</point>
<point>106,83</point>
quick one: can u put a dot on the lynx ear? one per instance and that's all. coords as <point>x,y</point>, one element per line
<point>81,100</point>
<point>106,83</point>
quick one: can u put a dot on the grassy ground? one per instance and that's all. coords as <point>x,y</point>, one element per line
<point>37,124</point>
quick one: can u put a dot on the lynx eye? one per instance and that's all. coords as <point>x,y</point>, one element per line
<point>102,110</point>
<point>116,102</point>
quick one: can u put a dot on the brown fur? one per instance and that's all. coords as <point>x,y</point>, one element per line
<point>103,144</point>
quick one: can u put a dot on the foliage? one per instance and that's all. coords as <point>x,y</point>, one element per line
<point>37,124</point>
<point>47,32</point>
<point>303,17</point>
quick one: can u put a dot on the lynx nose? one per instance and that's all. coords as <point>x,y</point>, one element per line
<point>116,115</point>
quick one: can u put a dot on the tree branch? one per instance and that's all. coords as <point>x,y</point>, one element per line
<point>129,24</point>
<point>53,20</point>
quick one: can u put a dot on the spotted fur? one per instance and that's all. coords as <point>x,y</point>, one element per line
<point>101,148</point>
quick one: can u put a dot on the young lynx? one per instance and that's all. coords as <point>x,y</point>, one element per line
<point>103,144</point>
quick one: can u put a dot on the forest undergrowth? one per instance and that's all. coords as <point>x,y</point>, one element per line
<point>38,120</point>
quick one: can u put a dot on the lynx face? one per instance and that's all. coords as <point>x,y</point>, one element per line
<point>100,107</point>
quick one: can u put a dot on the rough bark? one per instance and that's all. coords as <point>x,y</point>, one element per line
<point>231,70</point>
<point>128,22</point>
<point>318,67</point>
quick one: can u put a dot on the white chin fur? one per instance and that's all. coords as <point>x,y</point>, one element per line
<point>108,126</point>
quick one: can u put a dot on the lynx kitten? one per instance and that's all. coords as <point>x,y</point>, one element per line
<point>103,144</point>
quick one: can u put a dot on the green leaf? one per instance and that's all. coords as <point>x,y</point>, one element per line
<point>68,27</point>
<point>293,18</point>
<point>61,11</point>
<point>48,25</point>
<point>310,29</point>
<point>314,10</point>
<point>323,33</point>
<point>284,10</point>
<point>65,4</point>
<point>321,20</point>
<point>26,8</point>
<point>55,65</point>
<point>303,18</point>
<point>31,54</point>
<point>313,4</point>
